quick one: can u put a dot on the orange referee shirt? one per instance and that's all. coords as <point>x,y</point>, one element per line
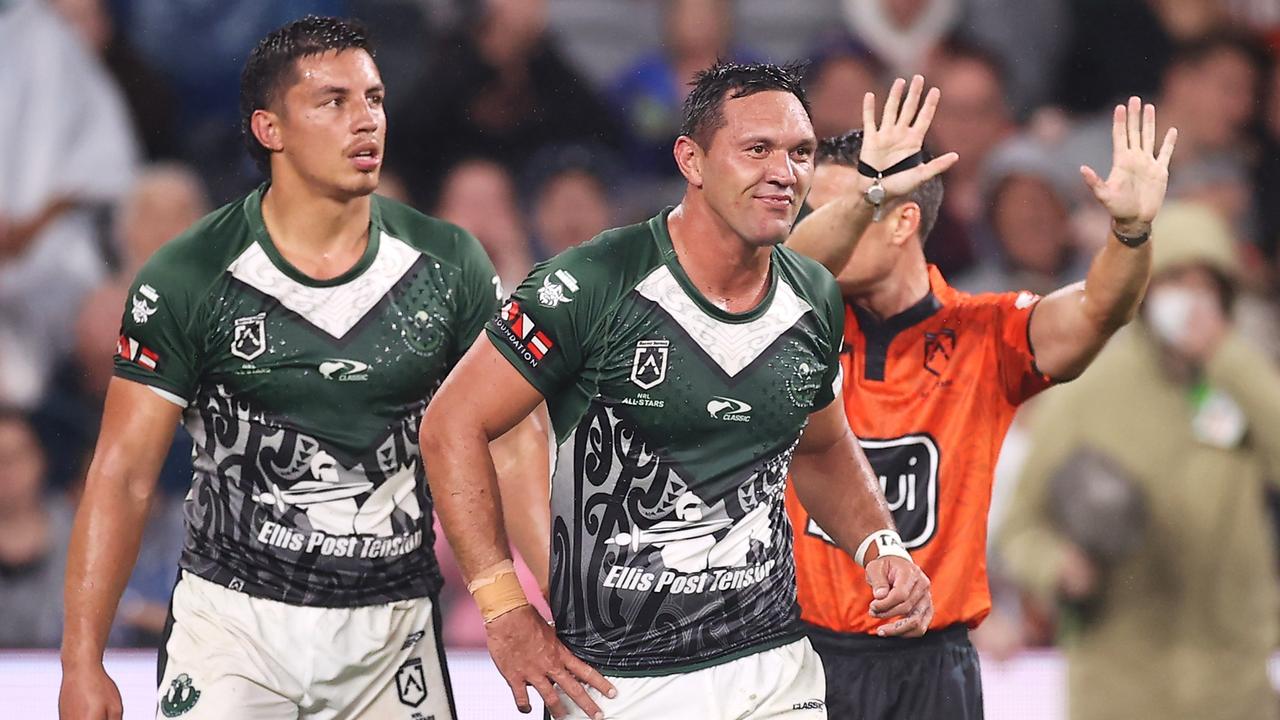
<point>930,393</point>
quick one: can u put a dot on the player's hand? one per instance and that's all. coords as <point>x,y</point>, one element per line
<point>527,652</point>
<point>89,694</point>
<point>1134,191</point>
<point>900,135</point>
<point>899,588</point>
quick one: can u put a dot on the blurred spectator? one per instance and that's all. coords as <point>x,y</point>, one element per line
<point>34,532</point>
<point>164,202</point>
<point>648,95</point>
<point>501,88</point>
<point>1267,190</point>
<point>200,47</point>
<point>1122,47</point>
<point>1140,506</point>
<point>570,197</point>
<point>904,34</point>
<point>68,151</point>
<point>1030,38</point>
<point>1029,242</point>
<point>479,196</point>
<point>151,102</point>
<point>840,74</point>
<point>975,118</point>
<point>1209,91</point>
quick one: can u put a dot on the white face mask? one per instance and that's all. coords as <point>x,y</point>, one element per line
<point>1169,309</point>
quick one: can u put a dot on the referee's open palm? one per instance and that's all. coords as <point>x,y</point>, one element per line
<point>1134,191</point>
<point>901,134</point>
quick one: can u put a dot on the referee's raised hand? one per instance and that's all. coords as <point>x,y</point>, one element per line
<point>900,135</point>
<point>527,652</point>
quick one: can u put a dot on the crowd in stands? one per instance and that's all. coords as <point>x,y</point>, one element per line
<point>535,124</point>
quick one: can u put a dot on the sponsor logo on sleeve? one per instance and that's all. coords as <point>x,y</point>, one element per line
<point>522,333</point>
<point>135,352</point>
<point>552,293</point>
<point>1025,300</point>
<point>142,311</point>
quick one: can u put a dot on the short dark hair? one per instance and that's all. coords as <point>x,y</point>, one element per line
<point>845,149</point>
<point>272,64</point>
<point>1195,52</point>
<point>703,111</point>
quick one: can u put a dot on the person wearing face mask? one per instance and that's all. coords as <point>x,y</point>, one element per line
<point>1187,414</point>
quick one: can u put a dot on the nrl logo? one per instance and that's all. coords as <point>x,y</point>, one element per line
<point>180,698</point>
<point>411,683</point>
<point>249,337</point>
<point>649,364</point>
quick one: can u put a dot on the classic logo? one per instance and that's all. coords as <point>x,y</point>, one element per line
<point>142,312</point>
<point>938,348</point>
<point>908,470</point>
<point>249,337</point>
<point>180,698</point>
<point>411,683</point>
<point>344,370</point>
<point>723,408</point>
<point>649,364</point>
<point>551,294</point>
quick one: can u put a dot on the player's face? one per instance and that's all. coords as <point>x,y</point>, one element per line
<point>872,260</point>
<point>759,165</point>
<point>332,124</point>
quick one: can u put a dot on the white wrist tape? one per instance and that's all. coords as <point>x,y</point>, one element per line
<point>887,542</point>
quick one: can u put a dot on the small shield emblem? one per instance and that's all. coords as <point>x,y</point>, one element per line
<point>411,683</point>
<point>249,337</point>
<point>649,366</point>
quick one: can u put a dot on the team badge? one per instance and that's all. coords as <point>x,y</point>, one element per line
<point>552,293</point>
<point>938,348</point>
<point>649,365</point>
<point>180,698</point>
<point>411,683</point>
<point>249,337</point>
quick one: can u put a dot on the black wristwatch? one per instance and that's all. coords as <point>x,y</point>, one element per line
<point>1132,241</point>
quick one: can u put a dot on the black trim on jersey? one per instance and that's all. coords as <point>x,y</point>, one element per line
<point>879,334</point>
<point>375,311</point>
<point>437,624</point>
<point>162,656</point>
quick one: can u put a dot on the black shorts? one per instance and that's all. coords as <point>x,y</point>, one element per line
<point>935,677</point>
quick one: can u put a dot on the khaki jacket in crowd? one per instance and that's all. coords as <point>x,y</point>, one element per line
<point>1183,626</point>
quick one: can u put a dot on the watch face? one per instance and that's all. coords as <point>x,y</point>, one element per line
<point>875,193</point>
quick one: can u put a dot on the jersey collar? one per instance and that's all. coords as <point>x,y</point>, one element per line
<point>662,236</point>
<point>879,334</point>
<point>253,213</point>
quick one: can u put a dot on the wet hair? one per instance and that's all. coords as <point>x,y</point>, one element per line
<point>271,67</point>
<point>703,112</point>
<point>845,149</point>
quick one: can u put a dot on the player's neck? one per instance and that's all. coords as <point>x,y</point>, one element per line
<point>728,271</point>
<point>895,292</point>
<point>321,236</point>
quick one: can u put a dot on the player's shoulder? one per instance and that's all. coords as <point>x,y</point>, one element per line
<point>439,239</point>
<point>614,261</point>
<point>198,256</point>
<point>986,306</point>
<point>808,278</point>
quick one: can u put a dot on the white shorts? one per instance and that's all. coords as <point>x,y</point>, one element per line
<point>785,682</point>
<point>231,656</point>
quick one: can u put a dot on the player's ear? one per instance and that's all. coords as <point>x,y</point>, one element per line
<point>689,158</point>
<point>906,223</point>
<point>266,128</point>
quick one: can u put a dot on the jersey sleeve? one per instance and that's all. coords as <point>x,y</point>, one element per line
<point>156,345</point>
<point>1019,376</point>
<point>546,328</point>
<point>834,319</point>
<point>478,295</point>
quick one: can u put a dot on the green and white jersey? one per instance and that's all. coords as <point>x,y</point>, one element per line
<point>304,397</point>
<point>676,422</point>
